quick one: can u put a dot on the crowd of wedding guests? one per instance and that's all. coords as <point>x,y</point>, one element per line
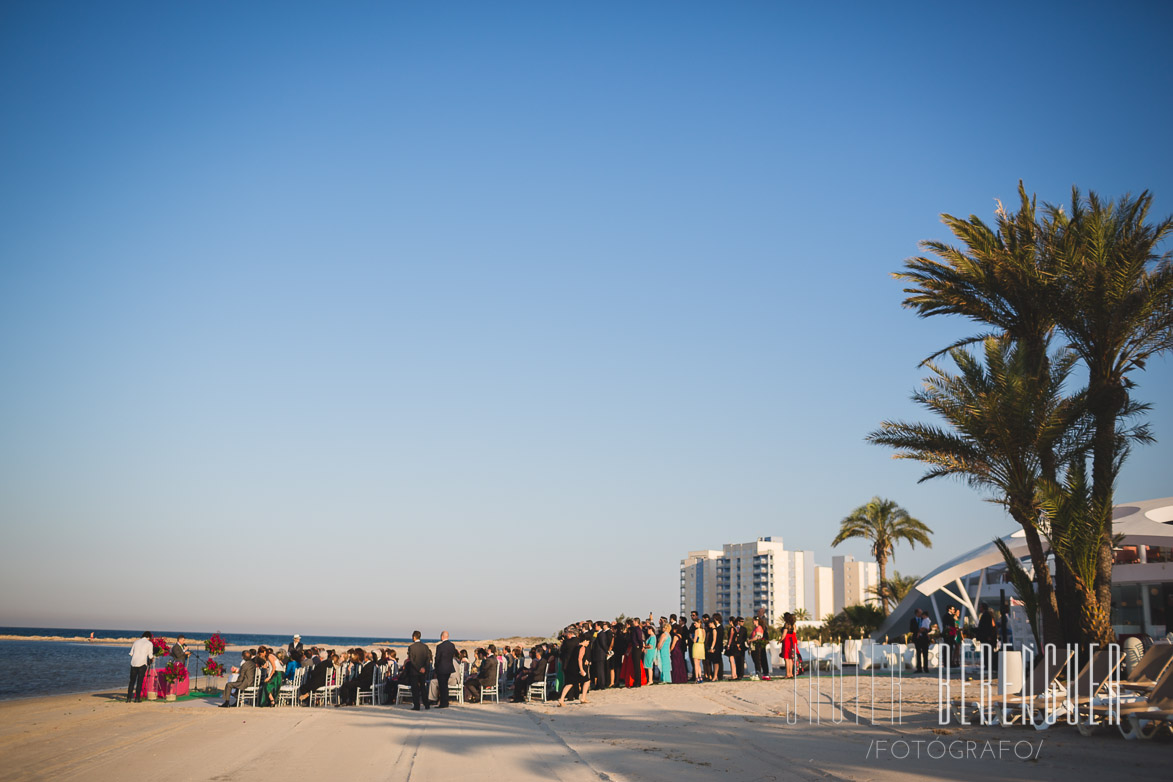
<point>591,654</point>
<point>674,650</point>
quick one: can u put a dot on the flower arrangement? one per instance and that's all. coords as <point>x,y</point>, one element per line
<point>174,671</point>
<point>215,645</point>
<point>213,668</point>
<point>161,647</point>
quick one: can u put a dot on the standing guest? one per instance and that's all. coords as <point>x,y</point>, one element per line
<point>664,651</point>
<point>635,650</point>
<point>757,644</point>
<point>245,678</point>
<point>699,642</point>
<point>727,651</point>
<point>789,642</point>
<point>650,653</point>
<point>735,649</point>
<point>987,635</point>
<point>278,664</point>
<point>419,657</point>
<point>574,667</point>
<point>446,655</point>
<point>265,666</point>
<point>141,654</point>
<point>294,646</point>
<point>620,663</point>
<point>951,635</point>
<point>600,650</point>
<point>719,645</point>
<point>679,664</point>
<point>691,629</point>
<point>922,641</point>
<point>713,642</point>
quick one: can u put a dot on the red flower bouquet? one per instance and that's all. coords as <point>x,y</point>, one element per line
<point>213,668</point>
<point>162,648</point>
<point>174,671</point>
<point>214,645</point>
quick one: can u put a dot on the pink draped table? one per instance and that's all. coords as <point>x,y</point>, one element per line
<point>157,684</point>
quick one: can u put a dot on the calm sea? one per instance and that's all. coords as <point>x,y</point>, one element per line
<point>29,668</point>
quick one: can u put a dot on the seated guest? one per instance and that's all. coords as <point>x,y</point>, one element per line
<point>293,664</point>
<point>486,677</point>
<point>531,675</point>
<point>316,679</point>
<point>248,673</point>
<point>348,692</point>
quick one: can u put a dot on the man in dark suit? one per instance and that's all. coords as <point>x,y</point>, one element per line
<point>486,676</point>
<point>348,692</point>
<point>419,657</point>
<point>599,648</point>
<point>445,667</point>
<point>636,650</point>
<point>248,673</point>
<point>532,675</point>
<point>987,636</point>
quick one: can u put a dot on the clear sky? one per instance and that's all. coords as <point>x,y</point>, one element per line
<point>362,317</point>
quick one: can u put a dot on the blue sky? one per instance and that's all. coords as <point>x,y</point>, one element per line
<point>419,302</point>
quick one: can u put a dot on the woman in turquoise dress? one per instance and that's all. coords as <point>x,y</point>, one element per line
<point>649,650</point>
<point>664,650</point>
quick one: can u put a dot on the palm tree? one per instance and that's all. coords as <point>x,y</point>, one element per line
<point>1003,278</point>
<point>1000,420</point>
<point>801,614</point>
<point>894,590</point>
<point>884,524</point>
<point>1113,300</point>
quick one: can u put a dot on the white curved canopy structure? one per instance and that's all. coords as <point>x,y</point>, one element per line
<point>1148,523</point>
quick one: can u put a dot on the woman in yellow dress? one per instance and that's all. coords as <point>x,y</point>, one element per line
<point>698,650</point>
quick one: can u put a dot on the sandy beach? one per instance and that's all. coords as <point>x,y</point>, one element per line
<point>677,732</point>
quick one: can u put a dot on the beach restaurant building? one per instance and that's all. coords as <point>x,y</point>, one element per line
<point>1142,576</point>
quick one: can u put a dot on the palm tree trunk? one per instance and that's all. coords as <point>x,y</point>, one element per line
<point>1108,397</point>
<point>1048,607</point>
<point>882,562</point>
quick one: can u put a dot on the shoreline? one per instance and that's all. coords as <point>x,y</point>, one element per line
<point>195,644</point>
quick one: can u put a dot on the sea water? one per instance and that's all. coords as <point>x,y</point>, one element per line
<point>29,668</point>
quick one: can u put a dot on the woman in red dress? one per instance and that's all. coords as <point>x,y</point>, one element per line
<point>789,643</point>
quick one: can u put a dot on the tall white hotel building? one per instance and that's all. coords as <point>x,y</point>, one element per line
<point>743,577</point>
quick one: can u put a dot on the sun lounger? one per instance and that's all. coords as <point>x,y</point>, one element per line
<point>994,709</point>
<point>1149,669</point>
<point>1139,718</point>
<point>1092,685</point>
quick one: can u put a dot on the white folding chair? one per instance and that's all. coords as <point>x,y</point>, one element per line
<point>457,690</point>
<point>403,693</point>
<point>539,690</point>
<point>326,694</point>
<point>376,687</point>
<point>289,690</point>
<point>250,693</point>
<point>492,692</point>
